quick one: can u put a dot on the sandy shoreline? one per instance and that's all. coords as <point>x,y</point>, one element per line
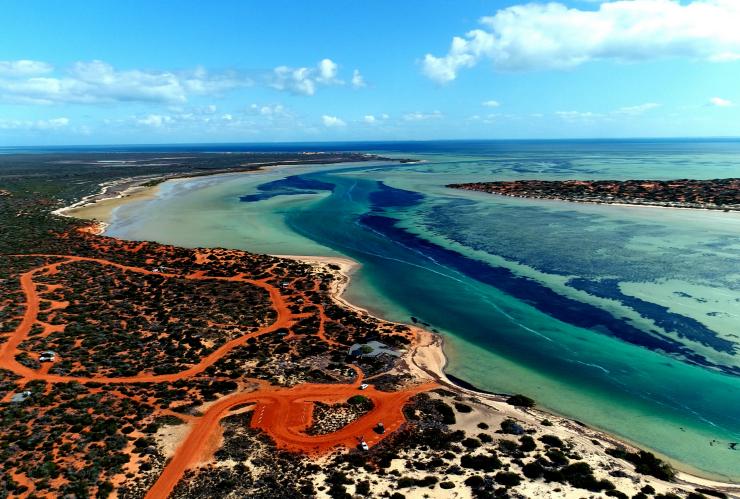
<point>101,205</point>
<point>425,360</point>
<point>607,203</point>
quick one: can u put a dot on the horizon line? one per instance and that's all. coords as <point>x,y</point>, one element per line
<point>378,141</point>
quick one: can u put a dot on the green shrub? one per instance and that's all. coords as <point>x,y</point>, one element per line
<point>520,401</point>
<point>480,462</point>
<point>552,441</point>
<point>507,478</point>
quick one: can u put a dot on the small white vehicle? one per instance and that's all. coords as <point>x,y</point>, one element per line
<point>364,446</point>
<point>47,357</point>
<point>364,386</point>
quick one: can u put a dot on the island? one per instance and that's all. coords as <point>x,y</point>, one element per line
<point>715,194</point>
<point>136,369</point>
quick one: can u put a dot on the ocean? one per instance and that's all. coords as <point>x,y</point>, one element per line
<point>624,318</point>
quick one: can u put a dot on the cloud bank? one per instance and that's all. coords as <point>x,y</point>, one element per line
<point>93,82</point>
<point>97,81</point>
<point>540,36</point>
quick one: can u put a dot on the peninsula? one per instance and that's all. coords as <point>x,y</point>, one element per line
<point>716,194</point>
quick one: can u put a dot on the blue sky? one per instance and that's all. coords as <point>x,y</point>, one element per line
<point>104,72</point>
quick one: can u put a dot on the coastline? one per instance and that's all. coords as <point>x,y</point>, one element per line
<point>426,359</point>
<point>100,206</point>
<point>607,203</point>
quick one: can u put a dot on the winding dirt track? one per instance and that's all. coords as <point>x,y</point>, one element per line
<point>282,413</point>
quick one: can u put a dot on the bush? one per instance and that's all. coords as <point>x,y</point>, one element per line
<point>520,401</point>
<point>475,482</point>
<point>527,444</point>
<point>463,407</point>
<point>552,441</point>
<point>363,488</point>
<point>511,427</point>
<point>557,457</point>
<point>406,481</point>
<point>507,478</point>
<point>580,475</point>
<point>712,493</point>
<point>533,470</point>
<point>480,462</point>
<point>645,463</point>
<point>617,494</point>
<point>508,447</point>
<point>361,402</point>
<point>471,443</point>
<point>448,415</point>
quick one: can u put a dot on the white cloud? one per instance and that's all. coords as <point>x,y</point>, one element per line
<point>578,116</point>
<point>97,81</point>
<point>552,36</point>
<point>328,71</point>
<point>419,116</point>
<point>463,54</point>
<point>297,81</point>
<point>621,113</point>
<point>636,110</point>
<point>198,118</point>
<point>372,119</point>
<point>155,120</point>
<point>268,110</point>
<point>488,119</point>
<point>50,124</point>
<point>490,103</point>
<point>720,102</point>
<point>332,121</point>
<point>24,67</point>
<point>92,82</point>
<point>305,80</point>
<point>358,81</point>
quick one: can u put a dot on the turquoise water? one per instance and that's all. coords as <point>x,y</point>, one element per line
<point>624,318</point>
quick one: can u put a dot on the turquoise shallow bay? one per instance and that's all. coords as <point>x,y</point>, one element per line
<point>623,318</point>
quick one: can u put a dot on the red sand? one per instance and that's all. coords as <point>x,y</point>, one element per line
<point>282,413</point>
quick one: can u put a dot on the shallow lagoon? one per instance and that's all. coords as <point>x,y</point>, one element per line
<point>621,317</point>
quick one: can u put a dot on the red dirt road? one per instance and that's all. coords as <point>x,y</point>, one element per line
<point>275,414</point>
<point>282,413</point>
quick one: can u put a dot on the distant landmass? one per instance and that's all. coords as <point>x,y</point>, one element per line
<point>716,194</point>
